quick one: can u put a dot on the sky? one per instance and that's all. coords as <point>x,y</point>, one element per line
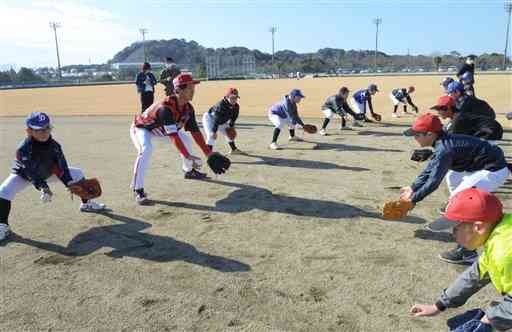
<point>93,31</point>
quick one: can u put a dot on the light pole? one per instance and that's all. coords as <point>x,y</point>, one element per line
<point>54,26</point>
<point>377,22</point>
<point>508,9</point>
<point>273,31</point>
<point>143,31</point>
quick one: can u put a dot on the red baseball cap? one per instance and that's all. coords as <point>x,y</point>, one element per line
<point>443,103</point>
<point>184,79</point>
<point>424,124</point>
<point>232,91</point>
<point>470,205</point>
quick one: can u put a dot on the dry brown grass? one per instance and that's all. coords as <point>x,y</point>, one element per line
<point>257,95</point>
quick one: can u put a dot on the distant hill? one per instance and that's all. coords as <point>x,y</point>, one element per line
<point>324,60</point>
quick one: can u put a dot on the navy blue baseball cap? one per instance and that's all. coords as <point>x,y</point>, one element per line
<point>467,77</point>
<point>455,86</point>
<point>373,87</point>
<point>297,93</point>
<point>447,82</point>
<point>38,120</point>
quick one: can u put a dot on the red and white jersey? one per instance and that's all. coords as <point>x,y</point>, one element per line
<point>163,118</point>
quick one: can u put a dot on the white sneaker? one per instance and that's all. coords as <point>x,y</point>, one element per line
<point>323,132</point>
<point>92,206</point>
<point>274,146</point>
<point>141,199</point>
<point>5,230</point>
<point>395,115</point>
<point>295,139</point>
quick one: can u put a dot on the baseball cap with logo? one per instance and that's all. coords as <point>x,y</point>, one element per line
<point>455,86</point>
<point>470,205</point>
<point>297,93</point>
<point>443,103</point>
<point>184,79</point>
<point>38,120</point>
<point>232,92</point>
<point>425,124</point>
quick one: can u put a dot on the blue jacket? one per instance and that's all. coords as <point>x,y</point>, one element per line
<point>286,109</point>
<point>362,96</point>
<point>36,162</point>
<point>460,153</point>
<point>141,78</point>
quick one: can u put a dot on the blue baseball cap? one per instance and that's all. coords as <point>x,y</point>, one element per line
<point>297,93</point>
<point>455,86</point>
<point>373,87</point>
<point>38,120</point>
<point>467,77</point>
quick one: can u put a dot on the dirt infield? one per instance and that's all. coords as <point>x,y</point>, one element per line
<point>287,240</point>
<point>257,95</point>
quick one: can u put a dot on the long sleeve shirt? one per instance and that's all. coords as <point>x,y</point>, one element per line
<point>37,161</point>
<point>338,105</point>
<point>287,109</point>
<point>460,153</point>
<point>224,112</point>
<point>494,266</point>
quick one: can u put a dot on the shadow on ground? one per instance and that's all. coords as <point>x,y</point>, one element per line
<point>297,163</point>
<point>127,240</point>
<point>248,197</point>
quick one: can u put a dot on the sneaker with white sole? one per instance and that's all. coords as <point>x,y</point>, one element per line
<point>274,146</point>
<point>141,198</point>
<point>459,255</point>
<point>5,231</point>
<point>92,206</point>
<point>323,132</point>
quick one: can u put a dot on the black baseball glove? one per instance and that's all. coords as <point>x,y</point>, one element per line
<point>421,155</point>
<point>218,163</point>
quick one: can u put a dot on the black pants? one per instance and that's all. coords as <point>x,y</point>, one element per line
<point>146,99</point>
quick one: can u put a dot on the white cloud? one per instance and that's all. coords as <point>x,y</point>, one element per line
<point>86,32</point>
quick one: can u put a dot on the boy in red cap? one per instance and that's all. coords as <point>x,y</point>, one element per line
<point>171,119</point>
<point>221,116</point>
<point>466,161</point>
<point>477,219</point>
<point>467,123</point>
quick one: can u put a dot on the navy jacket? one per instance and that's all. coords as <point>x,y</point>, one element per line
<point>223,112</point>
<point>460,153</point>
<point>141,77</point>
<point>36,162</point>
<point>475,106</point>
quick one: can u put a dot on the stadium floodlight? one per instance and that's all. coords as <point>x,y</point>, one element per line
<point>143,32</point>
<point>54,26</point>
<point>508,10</point>
<point>377,21</point>
<point>273,31</point>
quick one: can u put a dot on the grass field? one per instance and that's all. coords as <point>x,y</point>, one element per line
<point>287,240</point>
<point>256,95</point>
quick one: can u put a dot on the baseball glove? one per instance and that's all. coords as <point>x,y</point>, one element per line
<point>218,163</point>
<point>86,188</point>
<point>231,132</point>
<point>396,210</point>
<point>310,129</point>
<point>377,117</point>
<point>421,155</point>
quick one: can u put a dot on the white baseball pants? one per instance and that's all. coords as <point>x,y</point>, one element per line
<point>208,123</point>
<point>15,183</point>
<point>486,180</point>
<point>141,138</point>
